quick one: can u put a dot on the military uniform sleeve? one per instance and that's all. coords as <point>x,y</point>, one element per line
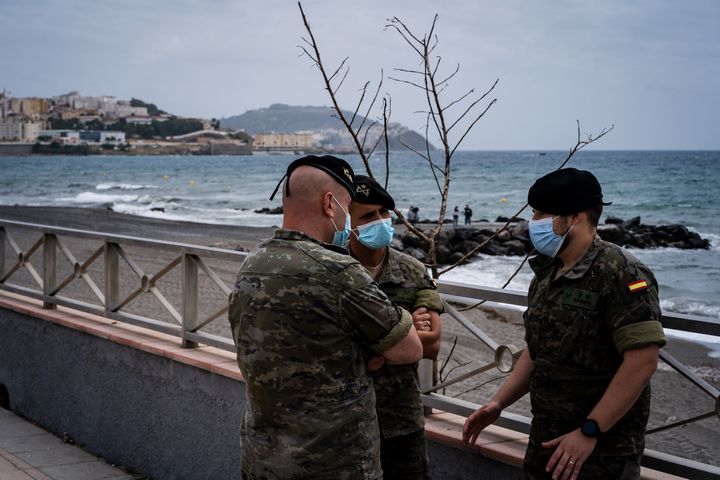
<point>427,295</point>
<point>373,318</point>
<point>633,309</point>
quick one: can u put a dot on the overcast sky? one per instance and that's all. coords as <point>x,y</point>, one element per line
<point>650,67</point>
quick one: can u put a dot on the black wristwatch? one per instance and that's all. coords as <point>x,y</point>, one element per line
<point>590,428</point>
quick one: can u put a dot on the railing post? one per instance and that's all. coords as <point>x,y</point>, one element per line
<point>112,276</point>
<point>426,368</point>
<point>189,298</point>
<point>2,251</point>
<point>49,268</point>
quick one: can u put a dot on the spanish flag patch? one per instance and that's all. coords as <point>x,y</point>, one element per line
<point>637,286</point>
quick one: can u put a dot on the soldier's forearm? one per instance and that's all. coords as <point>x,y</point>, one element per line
<point>626,386</point>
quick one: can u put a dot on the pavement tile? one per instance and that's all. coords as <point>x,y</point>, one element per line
<point>16,475</point>
<point>63,455</point>
<point>43,441</point>
<point>13,428</point>
<point>96,470</point>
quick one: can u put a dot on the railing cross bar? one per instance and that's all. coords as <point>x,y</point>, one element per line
<point>685,372</point>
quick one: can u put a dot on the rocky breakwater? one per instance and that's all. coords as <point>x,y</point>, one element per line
<point>454,243</point>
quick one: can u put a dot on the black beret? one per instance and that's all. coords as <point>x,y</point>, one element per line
<point>370,192</point>
<point>336,167</point>
<point>565,191</point>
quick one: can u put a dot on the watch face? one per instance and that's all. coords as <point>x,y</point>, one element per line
<point>590,428</point>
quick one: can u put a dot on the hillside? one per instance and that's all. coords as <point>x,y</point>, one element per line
<point>288,118</point>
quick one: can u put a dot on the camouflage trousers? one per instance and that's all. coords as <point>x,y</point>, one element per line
<point>405,457</point>
<point>595,467</point>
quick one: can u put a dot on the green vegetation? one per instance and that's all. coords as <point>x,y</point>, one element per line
<point>157,129</point>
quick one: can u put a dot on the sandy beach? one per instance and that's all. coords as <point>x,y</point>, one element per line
<point>674,398</point>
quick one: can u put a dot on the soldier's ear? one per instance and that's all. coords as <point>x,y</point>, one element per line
<point>327,201</point>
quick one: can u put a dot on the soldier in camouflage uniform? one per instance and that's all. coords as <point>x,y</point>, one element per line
<point>305,316</point>
<point>593,334</point>
<point>406,281</point>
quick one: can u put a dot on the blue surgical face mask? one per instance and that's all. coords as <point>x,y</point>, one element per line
<point>543,238</point>
<point>341,237</point>
<point>376,234</point>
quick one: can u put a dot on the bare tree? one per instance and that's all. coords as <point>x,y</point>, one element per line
<point>452,129</point>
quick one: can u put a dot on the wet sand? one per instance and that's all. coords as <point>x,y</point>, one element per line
<point>674,398</point>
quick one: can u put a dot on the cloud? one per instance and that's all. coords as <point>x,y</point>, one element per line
<point>648,66</point>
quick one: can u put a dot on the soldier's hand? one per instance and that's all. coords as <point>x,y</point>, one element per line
<point>571,451</point>
<point>478,420</point>
<point>376,362</point>
<point>421,319</point>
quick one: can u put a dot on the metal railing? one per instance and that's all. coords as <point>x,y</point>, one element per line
<point>187,321</point>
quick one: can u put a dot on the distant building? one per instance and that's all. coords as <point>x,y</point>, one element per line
<point>84,136</point>
<point>34,107</point>
<point>19,129</point>
<point>62,136</point>
<point>284,140</point>
<point>102,136</point>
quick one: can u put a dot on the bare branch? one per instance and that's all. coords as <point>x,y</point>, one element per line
<point>372,103</point>
<point>367,131</point>
<point>472,90</point>
<point>339,68</point>
<point>492,237</point>
<point>387,110</point>
<point>305,52</point>
<point>318,61</point>
<point>408,82</point>
<point>515,273</point>
<point>578,146</point>
<point>337,89</point>
<point>437,65</point>
<point>457,69</point>
<point>405,70</point>
<point>396,20</point>
<point>377,142</point>
<point>447,359</point>
<point>362,97</point>
<point>473,124</point>
<point>403,34</point>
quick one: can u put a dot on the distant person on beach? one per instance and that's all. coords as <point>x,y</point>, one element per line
<point>456,216</point>
<point>406,281</point>
<point>305,317</point>
<point>593,334</point>
<point>468,214</point>
<point>412,214</point>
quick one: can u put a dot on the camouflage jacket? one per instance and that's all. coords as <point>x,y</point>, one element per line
<point>304,316</point>
<point>406,281</point>
<point>577,328</point>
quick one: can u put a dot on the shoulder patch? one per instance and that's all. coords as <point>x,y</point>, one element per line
<point>638,286</point>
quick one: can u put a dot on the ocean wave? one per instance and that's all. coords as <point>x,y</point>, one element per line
<point>690,306</point>
<point>122,186</point>
<point>104,198</point>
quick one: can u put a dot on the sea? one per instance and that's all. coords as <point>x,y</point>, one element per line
<point>660,187</point>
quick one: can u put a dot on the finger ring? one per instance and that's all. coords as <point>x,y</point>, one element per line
<point>572,462</point>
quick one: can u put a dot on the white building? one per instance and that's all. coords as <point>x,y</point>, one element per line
<point>91,137</point>
<point>14,129</point>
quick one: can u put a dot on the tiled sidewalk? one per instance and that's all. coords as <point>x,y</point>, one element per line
<point>28,452</point>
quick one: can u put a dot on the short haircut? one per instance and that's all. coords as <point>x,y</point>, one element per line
<point>594,213</point>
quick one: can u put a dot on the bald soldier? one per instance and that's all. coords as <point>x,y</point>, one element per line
<point>305,315</point>
<point>593,333</point>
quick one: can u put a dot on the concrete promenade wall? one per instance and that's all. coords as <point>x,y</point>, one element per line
<point>148,413</point>
<point>138,400</point>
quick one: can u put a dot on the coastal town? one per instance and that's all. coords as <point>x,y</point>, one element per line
<point>75,124</point>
